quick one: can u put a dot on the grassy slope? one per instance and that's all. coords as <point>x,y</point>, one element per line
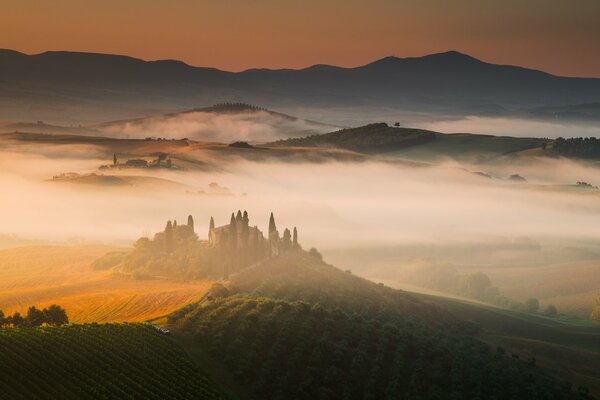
<point>132,361</point>
<point>467,147</point>
<point>43,275</point>
<point>567,350</point>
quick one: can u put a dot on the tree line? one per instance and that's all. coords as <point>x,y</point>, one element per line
<point>476,286</point>
<point>53,315</point>
<point>588,148</point>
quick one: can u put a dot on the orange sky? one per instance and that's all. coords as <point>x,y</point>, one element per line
<point>558,36</point>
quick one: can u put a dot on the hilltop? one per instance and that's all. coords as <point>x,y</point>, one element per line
<point>373,138</point>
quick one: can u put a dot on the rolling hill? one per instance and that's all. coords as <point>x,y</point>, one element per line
<point>416,144</point>
<point>295,327</point>
<point>219,123</point>
<point>84,87</point>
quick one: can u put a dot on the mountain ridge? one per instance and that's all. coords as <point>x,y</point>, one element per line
<point>93,87</point>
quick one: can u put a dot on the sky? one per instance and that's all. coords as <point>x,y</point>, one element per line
<point>558,36</point>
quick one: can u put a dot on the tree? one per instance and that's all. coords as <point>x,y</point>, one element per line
<point>532,305</point>
<point>474,285</point>
<point>272,226</point>
<point>169,237</point>
<point>191,222</point>
<point>315,254</point>
<point>35,317</point>
<point>2,318</point>
<point>551,311</point>
<point>287,239</point>
<point>56,315</point>
<point>233,232</point>
<point>295,239</point>
<point>211,226</point>
<point>245,234</point>
<point>115,161</point>
<point>16,320</point>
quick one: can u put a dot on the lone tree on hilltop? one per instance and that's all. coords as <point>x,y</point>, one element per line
<point>191,222</point>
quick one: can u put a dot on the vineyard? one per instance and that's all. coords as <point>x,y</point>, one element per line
<point>91,361</point>
<point>45,275</point>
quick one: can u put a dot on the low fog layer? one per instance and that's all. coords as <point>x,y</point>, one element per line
<point>512,127</point>
<point>334,205</point>
<point>254,126</point>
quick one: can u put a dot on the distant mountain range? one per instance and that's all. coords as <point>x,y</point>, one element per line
<point>69,87</point>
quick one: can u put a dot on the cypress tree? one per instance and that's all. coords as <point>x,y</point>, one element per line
<point>115,161</point>
<point>295,239</point>
<point>239,217</point>
<point>211,226</point>
<point>174,224</point>
<point>287,239</point>
<point>233,232</point>
<point>233,243</point>
<point>272,226</point>
<point>169,237</point>
<point>191,222</point>
<point>245,235</point>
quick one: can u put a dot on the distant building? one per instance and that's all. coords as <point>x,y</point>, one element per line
<point>220,234</point>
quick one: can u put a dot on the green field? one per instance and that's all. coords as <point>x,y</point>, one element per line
<point>466,147</point>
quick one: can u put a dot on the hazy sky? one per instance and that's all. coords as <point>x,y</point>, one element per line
<point>558,36</point>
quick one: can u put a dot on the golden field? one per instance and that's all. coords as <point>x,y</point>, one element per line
<point>44,275</point>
